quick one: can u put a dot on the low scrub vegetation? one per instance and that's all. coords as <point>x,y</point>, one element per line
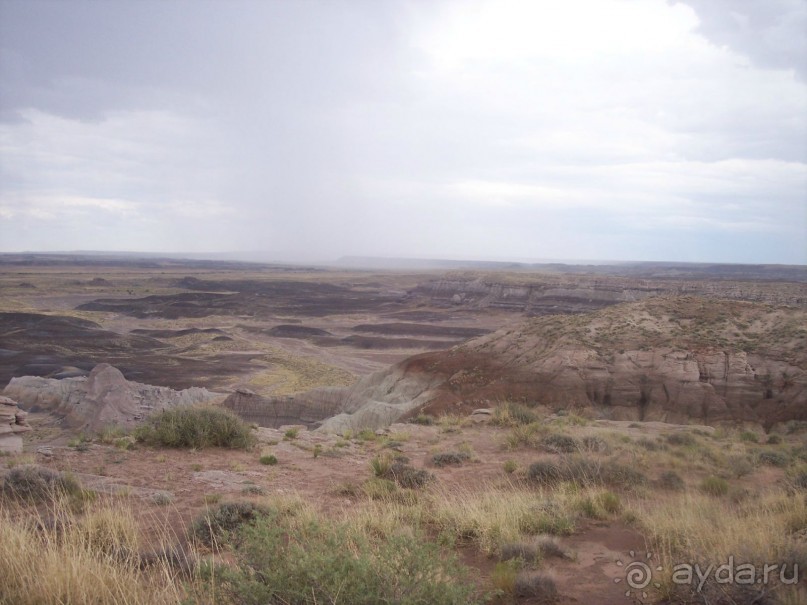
<point>300,557</point>
<point>196,427</point>
<point>34,483</point>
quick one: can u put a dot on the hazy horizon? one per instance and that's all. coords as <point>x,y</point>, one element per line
<point>480,130</point>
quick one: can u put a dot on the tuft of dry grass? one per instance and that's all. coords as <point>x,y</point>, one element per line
<point>62,557</point>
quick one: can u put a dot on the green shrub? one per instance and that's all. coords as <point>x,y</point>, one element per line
<point>449,458</point>
<point>316,561</point>
<point>510,466</point>
<point>291,434</point>
<point>38,483</point>
<point>715,486</point>
<point>749,436</point>
<point>268,460</point>
<point>196,427</point>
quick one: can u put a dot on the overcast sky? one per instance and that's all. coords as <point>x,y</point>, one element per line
<point>571,129</point>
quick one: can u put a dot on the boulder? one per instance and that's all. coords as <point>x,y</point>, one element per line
<point>12,425</point>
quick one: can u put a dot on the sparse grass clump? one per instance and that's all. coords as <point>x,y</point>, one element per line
<point>423,420</point>
<point>513,414</point>
<point>671,480</point>
<point>681,438</point>
<point>592,443</point>
<point>291,434</point>
<point>715,486</point>
<point>196,427</point>
<point>510,466</point>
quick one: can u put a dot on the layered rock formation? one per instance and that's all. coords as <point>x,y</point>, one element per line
<point>12,425</point>
<point>102,399</point>
<point>679,359</point>
<point>274,412</point>
<point>561,293</point>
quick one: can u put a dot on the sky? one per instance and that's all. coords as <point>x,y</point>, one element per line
<point>478,129</point>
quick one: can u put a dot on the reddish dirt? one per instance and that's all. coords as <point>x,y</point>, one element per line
<point>191,478</point>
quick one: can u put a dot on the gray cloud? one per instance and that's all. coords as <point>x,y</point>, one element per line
<point>507,129</point>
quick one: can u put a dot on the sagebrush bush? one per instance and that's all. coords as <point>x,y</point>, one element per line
<point>671,480</point>
<point>215,526</point>
<point>38,483</point>
<point>773,458</point>
<point>585,471</point>
<point>408,476</point>
<point>559,443</point>
<point>196,427</point>
<point>536,585</point>
<point>681,439</point>
<point>449,458</point>
<point>596,444</point>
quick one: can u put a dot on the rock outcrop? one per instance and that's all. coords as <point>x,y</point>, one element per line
<point>677,359</point>
<point>104,398</point>
<point>12,425</point>
<point>273,412</point>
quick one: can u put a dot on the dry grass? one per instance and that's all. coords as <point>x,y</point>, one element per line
<point>62,557</point>
<point>697,528</point>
